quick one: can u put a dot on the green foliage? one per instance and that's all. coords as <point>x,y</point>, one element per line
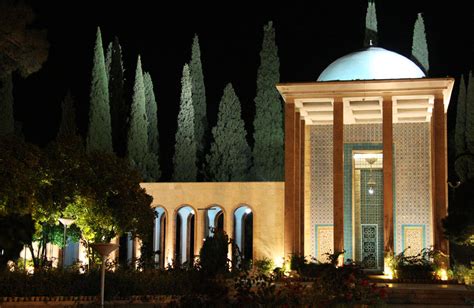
<point>184,159</point>
<point>199,101</point>
<point>99,136</point>
<point>151,114</point>
<point>7,121</point>
<point>419,47</point>
<point>263,266</point>
<point>119,109</point>
<point>22,176</point>
<point>213,254</point>
<point>68,126</point>
<point>371,25</point>
<point>268,151</point>
<point>230,157</point>
<point>421,266</point>
<point>137,150</point>
<point>152,158</point>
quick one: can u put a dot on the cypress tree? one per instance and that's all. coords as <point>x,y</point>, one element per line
<point>268,156</point>
<point>108,59</point>
<point>184,159</point>
<point>464,138</point>
<point>470,114</point>
<point>419,47</point>
<point>99,136</point>
<point>230,155</point>
<point>137,135</point>
<point>153,165</point>
<point>7,122</point>
<point>371,25</point>
<point>118,106</point>
<point>151,114</point>
<point>460,138</point>
<point>199,101</point>
<point>67,126</point>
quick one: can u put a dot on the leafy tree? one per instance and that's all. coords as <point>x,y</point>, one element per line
<point>68,120</point>
<point>229,158</point>
<point>199,101</point>
<point>23,49</point>
<point>7,122</point>
<point>184,159</point>
<point>118,106</point>
<point>99,136</point>
<point>371,25</point>
<point>419,47</point>
<point>268,151</point>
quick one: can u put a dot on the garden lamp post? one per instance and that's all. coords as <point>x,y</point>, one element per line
<point>104,249</point>
<point>66,223</point>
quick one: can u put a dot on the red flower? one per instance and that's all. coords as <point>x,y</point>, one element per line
<point>364,282</point>
<point>383,293</point>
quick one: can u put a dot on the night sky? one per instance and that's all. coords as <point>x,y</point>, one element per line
<point>308,37</point>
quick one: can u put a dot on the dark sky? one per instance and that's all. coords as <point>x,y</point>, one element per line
<point>309,38</point>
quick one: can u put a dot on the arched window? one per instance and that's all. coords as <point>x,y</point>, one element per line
<point>185,225</point>
<point>243,231</point>
<point>159,236</point>
<point>214,220</point>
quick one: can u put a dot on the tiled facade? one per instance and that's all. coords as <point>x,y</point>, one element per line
<point>411,177</point>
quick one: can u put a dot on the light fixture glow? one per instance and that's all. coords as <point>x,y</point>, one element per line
<point>248,211</point>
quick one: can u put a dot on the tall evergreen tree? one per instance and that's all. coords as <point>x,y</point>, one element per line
<point>118,106</point>
<point>153,135</point>
<point>184,159</point>
<point>268,151</point>
<point>99,136</point>
<point>371,25</point>
<point>470,114</point>
<point>464,131</point>
<point>151,114</point>
<point>68,126</point>
<point>460,137</point>
<point>230,156</point>
<point>138,135</point>
<point>199,101</point>
<point>7,122</point>
<point>419,47</point>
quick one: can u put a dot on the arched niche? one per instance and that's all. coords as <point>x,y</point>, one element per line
<point>185,234</point>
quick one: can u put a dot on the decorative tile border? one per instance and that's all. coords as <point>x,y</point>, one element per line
<point>324,234</point>
<point>413,236</point>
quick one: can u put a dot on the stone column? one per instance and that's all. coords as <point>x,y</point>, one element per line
<point>440,175</point>
<point>297,192</point>
<point>302,186</point>
<point>229,229</point>
<point>387,132</point>
<point>170,243</point>
<point>290,123</point>
<point>338,174</point>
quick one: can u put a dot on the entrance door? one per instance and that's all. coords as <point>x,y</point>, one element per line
<point>368,209</point>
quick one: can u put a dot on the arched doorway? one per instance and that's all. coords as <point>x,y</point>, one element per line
<point>243,232</point>
<point>185,233</point>
<point>214,220</point>
<point>159,236</point>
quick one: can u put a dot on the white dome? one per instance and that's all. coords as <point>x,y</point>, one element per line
<point>371,63</point>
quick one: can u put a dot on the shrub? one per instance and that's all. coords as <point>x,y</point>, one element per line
<point>263,266</point>
<point>213,254</point>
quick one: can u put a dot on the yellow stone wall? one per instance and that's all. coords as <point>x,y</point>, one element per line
<point>266,199</point>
